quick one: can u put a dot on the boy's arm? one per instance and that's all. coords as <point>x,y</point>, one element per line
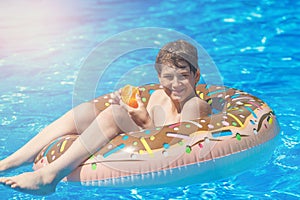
<point>139,115</point>
<point>195,108</point>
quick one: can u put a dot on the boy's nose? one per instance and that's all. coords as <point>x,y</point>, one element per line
<point>176,81</point>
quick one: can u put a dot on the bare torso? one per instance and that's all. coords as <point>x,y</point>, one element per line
<point>162,110</point>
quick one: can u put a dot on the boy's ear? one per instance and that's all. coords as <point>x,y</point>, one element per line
<point>197,75</point>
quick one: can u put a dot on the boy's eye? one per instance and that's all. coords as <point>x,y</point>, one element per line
<point>185,75</point>
<point>168,76</point>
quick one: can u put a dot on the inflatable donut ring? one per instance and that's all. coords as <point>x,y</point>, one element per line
<point>240,133</point>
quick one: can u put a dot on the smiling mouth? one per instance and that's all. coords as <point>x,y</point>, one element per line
<point>178,92</point>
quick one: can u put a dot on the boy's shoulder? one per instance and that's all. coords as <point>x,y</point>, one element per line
<point>197,103</point>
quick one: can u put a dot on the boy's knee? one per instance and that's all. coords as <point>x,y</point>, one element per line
<point>84,114</point>
<point>122,119</point>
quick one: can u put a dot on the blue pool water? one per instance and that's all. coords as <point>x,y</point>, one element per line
<point>254,44</point>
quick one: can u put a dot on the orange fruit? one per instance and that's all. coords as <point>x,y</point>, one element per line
<point>128,94</point>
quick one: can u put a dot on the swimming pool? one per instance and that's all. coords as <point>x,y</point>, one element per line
<point>254,45</point>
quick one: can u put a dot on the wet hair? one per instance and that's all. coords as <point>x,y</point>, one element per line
<point>175,53</point>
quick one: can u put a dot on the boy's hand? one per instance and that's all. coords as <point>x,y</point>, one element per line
<point>140,114</point>
<point>115,97</point>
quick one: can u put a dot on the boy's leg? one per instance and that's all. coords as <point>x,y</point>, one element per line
<point>108,124</point>
<point>86,113</point>
<point>102,129</point>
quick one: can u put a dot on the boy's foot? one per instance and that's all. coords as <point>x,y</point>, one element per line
<point>31,183</point>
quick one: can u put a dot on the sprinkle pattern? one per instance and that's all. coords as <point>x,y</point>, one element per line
<point>234,111</point>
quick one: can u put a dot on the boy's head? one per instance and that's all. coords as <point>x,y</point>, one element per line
<point>177,54</point>
<point>178,71</point>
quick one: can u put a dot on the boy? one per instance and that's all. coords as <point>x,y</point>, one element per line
<point>178,73</point>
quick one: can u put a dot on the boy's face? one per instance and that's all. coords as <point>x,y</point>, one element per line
<point>178,82</point>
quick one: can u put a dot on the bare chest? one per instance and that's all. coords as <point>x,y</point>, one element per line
<point>161,109</point>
